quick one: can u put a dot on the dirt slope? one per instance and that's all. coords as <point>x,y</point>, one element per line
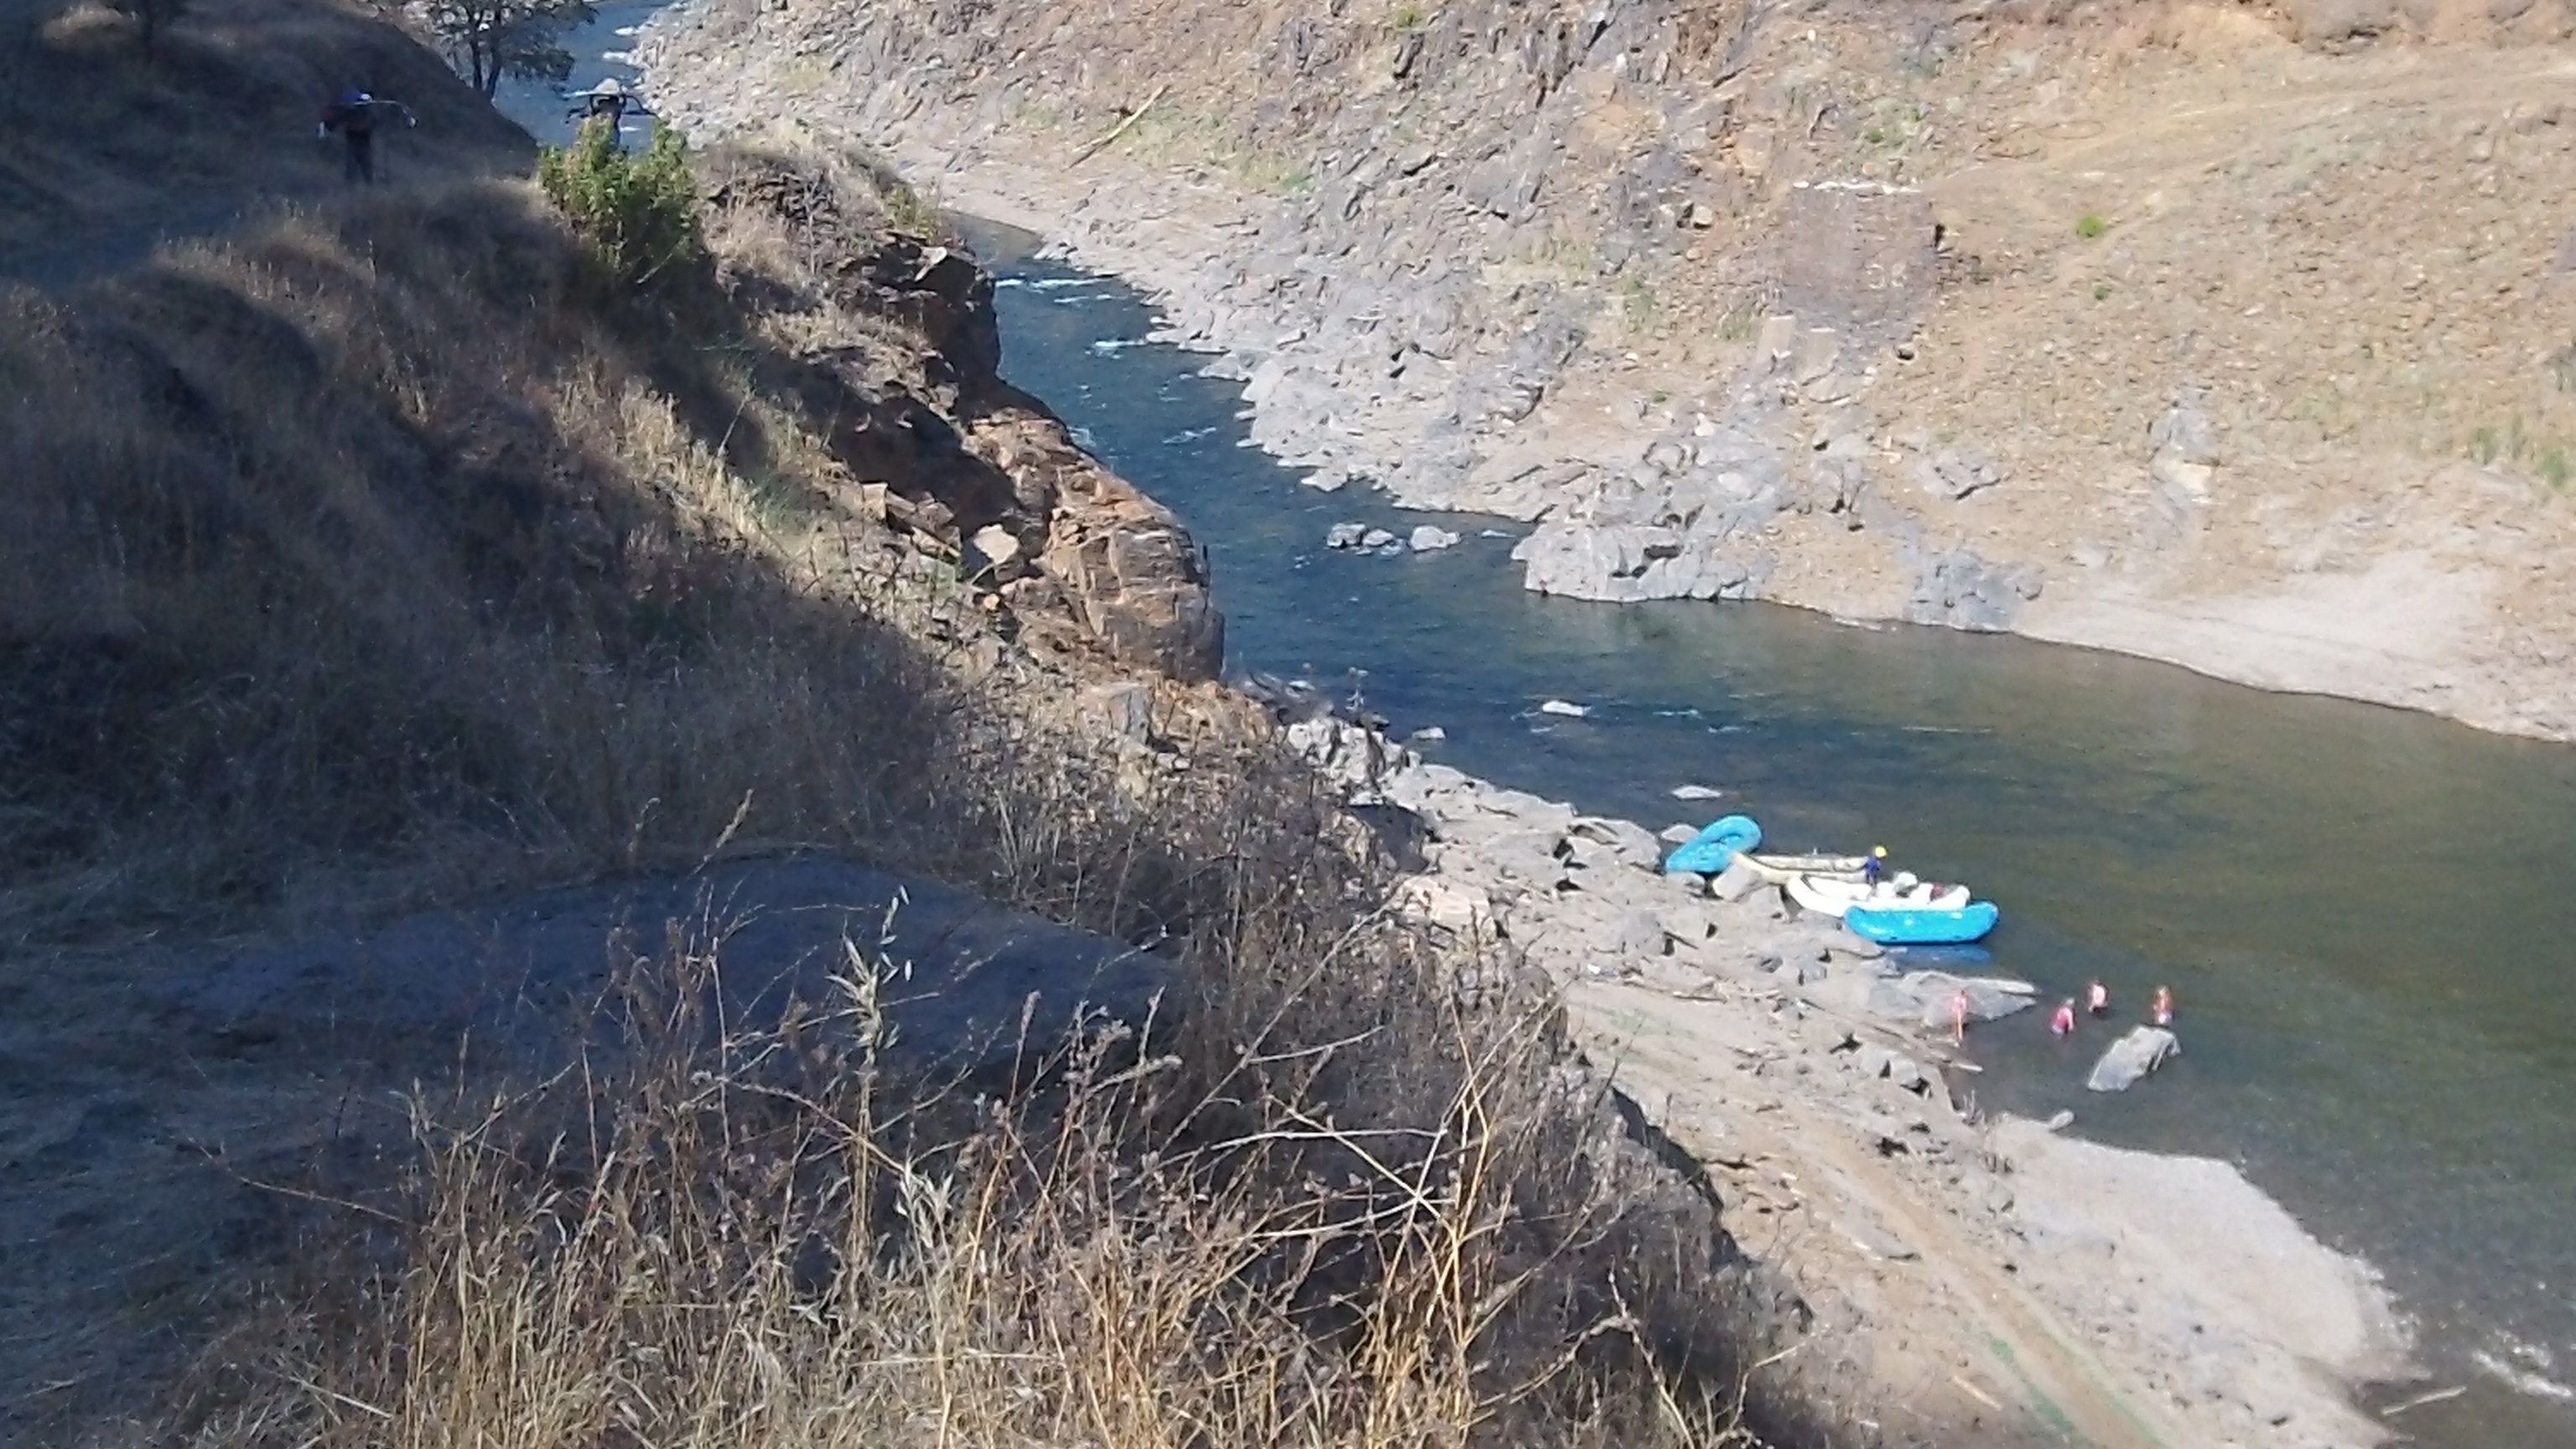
<point>2229,334</point>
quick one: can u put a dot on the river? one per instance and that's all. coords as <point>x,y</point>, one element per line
<point>2367,917</point>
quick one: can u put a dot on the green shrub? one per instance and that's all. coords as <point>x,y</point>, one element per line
<point>640,214</point>
<point>2089,226</point>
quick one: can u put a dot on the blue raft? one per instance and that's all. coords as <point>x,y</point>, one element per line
<point>1708,852</point>
<point>1924,928</point>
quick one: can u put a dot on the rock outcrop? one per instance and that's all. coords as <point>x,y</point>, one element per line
<point>981,471</point>
<point>2128,1060</point>
<point>1930,274</point>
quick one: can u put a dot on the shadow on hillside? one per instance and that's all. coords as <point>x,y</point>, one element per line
<point>369,541</point>
<point>112,151</point>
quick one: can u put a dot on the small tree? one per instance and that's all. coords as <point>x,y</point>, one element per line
<point>640,214</point>
<point>491,40</point>
<point>150,18</point>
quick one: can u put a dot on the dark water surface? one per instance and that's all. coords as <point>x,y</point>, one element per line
<point>2365,916</point>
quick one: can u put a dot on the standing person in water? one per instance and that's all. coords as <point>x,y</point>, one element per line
<point>1873,866</point>
<point>2098,1000</point>
<point>2062,1024</point>
<point>354,114</point>
<point>2163,1011</point>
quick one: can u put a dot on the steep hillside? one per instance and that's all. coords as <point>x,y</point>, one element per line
<point>111,144</point>
<point>403,552</point>
<point>2229,334</point>
<point>419,549</point>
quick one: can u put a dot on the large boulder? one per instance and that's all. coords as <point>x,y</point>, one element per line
<point>1134,577</point>
<point>1629,563</point>
<point>2130,1059</point>
<point>1922,998</point>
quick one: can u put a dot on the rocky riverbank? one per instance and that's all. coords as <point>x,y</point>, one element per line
<point>2011,317</point>
<point>1981,1272</point>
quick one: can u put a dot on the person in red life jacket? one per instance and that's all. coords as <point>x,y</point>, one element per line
<point>2063,1023</point>
<point>2098,1000</point>
<point>1959,1017</point>
<point>354,115</point>
<point>2164,1006</point>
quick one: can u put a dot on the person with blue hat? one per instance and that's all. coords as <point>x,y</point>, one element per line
<point>353,115</point>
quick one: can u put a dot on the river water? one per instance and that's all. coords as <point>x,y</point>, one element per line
<point>2368,918</point>
<point>2365,916</point>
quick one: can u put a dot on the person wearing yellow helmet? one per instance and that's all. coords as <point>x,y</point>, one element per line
<point>1873,865</point>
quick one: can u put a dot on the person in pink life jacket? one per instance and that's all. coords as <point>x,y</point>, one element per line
<point>2098,1000</point>
<point>2063,1023</point>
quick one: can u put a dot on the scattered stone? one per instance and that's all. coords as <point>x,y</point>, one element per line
<point>1737,881</point>
<point>1428,538</point>
<point>2060,1122</point>
<point>2131,1058</point>
<point>1956,475</point>
<point>1126,708</point>
<point>1000,549</point>
<point>1562,708</point>
<point>1345,535</point>
<point>1329,480</point>
<point>1697,792</point>
<point>1428,734</point>
<point>1633,934</point>
<point>1680,832</point>
<point>1859,947</point>
<point>1922,998</point>
<point>1631,842</point>
<point>1446,903</point>
<point>1376,538</point>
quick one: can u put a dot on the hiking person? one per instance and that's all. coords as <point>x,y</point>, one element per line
<point>610,103</point>
<point>354,115</point>
<point>1959,1017</point>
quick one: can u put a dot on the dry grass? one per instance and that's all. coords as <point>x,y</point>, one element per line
<point>374,557</point>
<point>367,545</point>
<point>1357,1217</point>
<point>103,140</point>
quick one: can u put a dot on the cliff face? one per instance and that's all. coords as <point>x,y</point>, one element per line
<point>2227,334</point>
<point>936,443</point>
